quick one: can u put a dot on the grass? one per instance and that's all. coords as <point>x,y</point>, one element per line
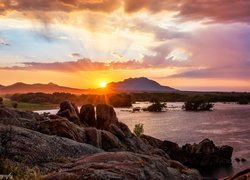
<point>19,172</point>
<point>29,106</point>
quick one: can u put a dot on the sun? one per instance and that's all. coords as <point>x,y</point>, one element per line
<point>103,84</point>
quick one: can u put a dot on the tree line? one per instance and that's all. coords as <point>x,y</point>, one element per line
<point>126,99</point>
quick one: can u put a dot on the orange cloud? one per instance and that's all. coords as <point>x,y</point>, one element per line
<point>216,10</point>
<point>79,65</point>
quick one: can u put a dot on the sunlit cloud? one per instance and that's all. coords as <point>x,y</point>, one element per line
<point>197,37</point>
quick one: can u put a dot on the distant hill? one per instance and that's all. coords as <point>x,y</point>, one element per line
<point>44,88</point>
<point>141,84</point>
<point>129,85</point>
<point>1,86</point>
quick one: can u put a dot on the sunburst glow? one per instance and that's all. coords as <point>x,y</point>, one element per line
<point>103,84</point>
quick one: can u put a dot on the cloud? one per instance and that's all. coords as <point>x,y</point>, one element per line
<point>4,42</point>
<point>79,65</point>
<point>233,73</point>
<point>160,33</point>
<point>76,55</point>
<point>59,5</point>
<point>214,10</point>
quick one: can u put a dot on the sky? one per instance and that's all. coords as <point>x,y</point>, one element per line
<point>199,45</point>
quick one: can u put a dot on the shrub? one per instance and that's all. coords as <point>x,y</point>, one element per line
<point>156,107</point>
<point>1,102</point>
<point>197,103</point>
<point>14,105</point>
<point>243,101</point>
<point>138,130</point>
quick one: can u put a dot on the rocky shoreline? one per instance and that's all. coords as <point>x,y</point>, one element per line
<point>93,144</point>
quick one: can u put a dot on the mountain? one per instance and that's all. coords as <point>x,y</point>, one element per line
<point>44,88</point>
<point>141,84</point>
<point>1,86</point>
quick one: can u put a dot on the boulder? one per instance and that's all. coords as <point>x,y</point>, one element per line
<point>170,147</point>
<point>206,146</point>
<point>204,154</point>
<point>124,165</point>
<point>8,113</point>
<point>110,142</point>
<point>226,152</point>
<point>93,137</point>
<point>152,141</point>
<point>125,129</point>
<point>69,111</point>
<point>87,115</point>
<point>33,148</point>
<point>62,127</point>
<point>242,175</point>
<point>105,116</point>
<point>117,131</point>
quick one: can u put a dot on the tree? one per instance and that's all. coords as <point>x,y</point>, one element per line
<point>197,103</point>
<point>14,105</point>
<point>1,101</point>
<point>156,107</point>
<point>242,101</point>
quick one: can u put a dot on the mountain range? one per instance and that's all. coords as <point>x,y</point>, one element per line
<point>141,84</point>
<point>44,88</point>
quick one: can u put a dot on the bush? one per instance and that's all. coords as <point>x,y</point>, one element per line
<point>243,101</point>
<point>1,102</point>
<point>138,130</point>
<point>14,105</point>
<point>197,103</point>
<point>156,107</point>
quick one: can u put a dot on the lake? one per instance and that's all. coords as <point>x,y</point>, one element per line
<point>227,124</point>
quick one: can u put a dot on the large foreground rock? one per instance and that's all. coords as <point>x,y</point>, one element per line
<point>69,111</point>
<point>87,115</point>
<point>124,165</point>
<point>105,116</point>
<point>243,175</point>
<point>204,154</point>
<point>33,148</point>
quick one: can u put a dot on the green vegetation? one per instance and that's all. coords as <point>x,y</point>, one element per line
<point>243,101</point>
<point>198,103</point>
<point>28,106</point>
<point>116,100</point>
<point>138,130</point>
<point>184,96</point>
<point>156,106</point>
<point>41,101</point>
<point>18,172</point>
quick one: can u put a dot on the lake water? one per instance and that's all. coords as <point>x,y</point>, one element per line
<point>227,124</point>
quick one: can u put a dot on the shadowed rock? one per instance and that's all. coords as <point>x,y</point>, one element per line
<point>64,128</point>
<point>8,113</point>
<point>105,116</point>
<point>87,115</point>
<point>33,148</point>
<point>69,111</point>
<point>242,175</point>
<point>124,165</point>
